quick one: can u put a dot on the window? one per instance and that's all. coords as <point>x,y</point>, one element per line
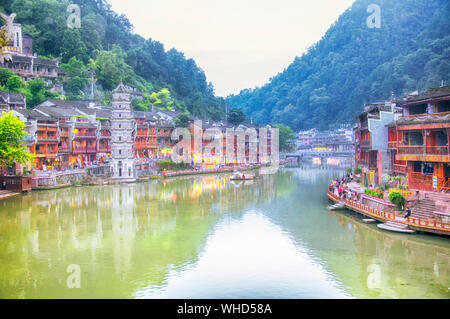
<point>418,109</point>
<point>443,106</point>
<point>442,139</point>
<point>423,167</point>
<point>413,138</point>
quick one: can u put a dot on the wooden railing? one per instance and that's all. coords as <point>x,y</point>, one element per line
<point>437,150</point>
<point>430,224</point>
<point>392,144</point>
<point>411,149</point>
<point>365,143</point>
<point>86,135</point>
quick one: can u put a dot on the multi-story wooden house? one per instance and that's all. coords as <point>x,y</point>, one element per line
<point>421,140</point>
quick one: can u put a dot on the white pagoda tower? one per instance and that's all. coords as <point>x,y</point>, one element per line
<point>122,136</point>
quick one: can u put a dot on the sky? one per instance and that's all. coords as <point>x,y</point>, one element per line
<point>238,43</point>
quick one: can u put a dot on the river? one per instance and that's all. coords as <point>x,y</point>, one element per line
<point>209,237</point>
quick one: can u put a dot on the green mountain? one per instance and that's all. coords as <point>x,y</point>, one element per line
<point>106,44</point>
<point>353,64</point>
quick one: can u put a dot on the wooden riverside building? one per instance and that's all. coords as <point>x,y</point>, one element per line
<point>408,137</point>
<point>420,140</point>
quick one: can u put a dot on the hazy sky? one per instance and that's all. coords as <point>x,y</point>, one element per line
<point>238,43</point>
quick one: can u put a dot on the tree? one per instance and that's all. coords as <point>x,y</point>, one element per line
<point>110,68</point>
<point>14,83</point>
<point>12,134</point>
<point>236,116</point>
<point>285,135</point>
<point>36,92</point>
<point>5,74</point>
<point>182,120</point>
<point>73,46</point>
<point>162,99</point>
<point>76,78</point>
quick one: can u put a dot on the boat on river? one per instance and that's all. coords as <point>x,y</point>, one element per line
<point>237,176</point>
<point>396,227</point>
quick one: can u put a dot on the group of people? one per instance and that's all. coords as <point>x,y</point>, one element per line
<point>340,188</point>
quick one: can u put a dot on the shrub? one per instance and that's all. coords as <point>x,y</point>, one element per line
<point>384,186</point>
<point>171,165</point>
<point>397,198</point>
<point>357,170</point>
<point>374,193</point>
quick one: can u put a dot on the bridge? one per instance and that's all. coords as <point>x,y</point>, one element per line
<point>321,154</point>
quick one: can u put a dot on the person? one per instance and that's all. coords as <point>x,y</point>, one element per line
<point>340,191</point>
<point>408,212</point>
<point>350,195</point>
<point>4,184</point>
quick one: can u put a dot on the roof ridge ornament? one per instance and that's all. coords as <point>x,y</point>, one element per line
<point>6,36</point>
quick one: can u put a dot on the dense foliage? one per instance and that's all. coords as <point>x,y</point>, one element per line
<point>106,45</point>
<point>34,90</point>
<point>374,193</point>
<point>353,64</point>
<point>171,165</point>
<point>12,133</point>
<point>236,116</point>
<point>397,198</point>
<point>285,137</point>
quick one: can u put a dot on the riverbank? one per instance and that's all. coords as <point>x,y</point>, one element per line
<point>79,178</point>
<point>5,194</point>
<point>418,224</point>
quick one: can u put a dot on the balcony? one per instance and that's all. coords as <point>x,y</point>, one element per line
<point>363,162</point>
<point>85,136</point>
<point>365,144</point>
<point>105,149</point>
<point>422,150</point>
<point>437,150</point>
<point>392,144</point>
<point>140,145</point>
<point>411,149</point>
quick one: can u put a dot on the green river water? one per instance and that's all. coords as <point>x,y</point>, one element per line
<point>209,237</point>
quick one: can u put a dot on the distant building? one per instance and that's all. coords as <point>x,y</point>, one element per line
<point>371,140</point>
<point>123,131</point>
<point>337,140</point>
<point>24,62</point>
<point>12,101</point>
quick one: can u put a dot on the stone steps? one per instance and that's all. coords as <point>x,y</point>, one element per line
<point>438,197</point>
<point>423,209</point>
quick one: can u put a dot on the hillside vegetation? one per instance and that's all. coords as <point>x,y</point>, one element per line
<point>353,64</point>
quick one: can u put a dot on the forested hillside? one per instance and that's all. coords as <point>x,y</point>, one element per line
<point>353,64</point>
<point>106,44</point>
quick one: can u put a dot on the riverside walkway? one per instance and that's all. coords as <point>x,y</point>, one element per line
<point>419,224</point>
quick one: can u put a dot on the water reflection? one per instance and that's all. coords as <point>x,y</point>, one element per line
<point>209,237</point>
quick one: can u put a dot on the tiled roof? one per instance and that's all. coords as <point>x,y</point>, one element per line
<point>432,93</point>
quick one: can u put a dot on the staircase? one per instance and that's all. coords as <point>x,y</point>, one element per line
<point>423,209</point>
<point>441,201</point>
